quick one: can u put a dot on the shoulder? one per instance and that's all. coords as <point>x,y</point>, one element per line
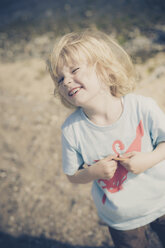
<point>143,106</point>
<point>137,100</point>
<point>136,97</point>
<point>72,120</point>
<point>72,127</point>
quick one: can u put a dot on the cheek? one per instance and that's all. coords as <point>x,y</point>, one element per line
<point>62,92</point>
<point>65,99</point>
<point>80,77</point>
<point>95,83</point>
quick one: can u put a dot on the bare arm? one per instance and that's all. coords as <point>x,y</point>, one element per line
<point>104,168</point>
<point>159,153</point>
<point>137,162</point>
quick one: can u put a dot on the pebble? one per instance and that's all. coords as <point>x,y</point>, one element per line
<point>12,218</point>
<point>3,174</point>
<point>15,189</point>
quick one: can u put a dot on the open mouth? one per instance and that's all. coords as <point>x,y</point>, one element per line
<point>74,91</point>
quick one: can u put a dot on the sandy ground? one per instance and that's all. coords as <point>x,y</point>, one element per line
<point>38,206</point>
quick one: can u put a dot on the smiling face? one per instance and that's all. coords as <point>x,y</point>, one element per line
<point>74,50</point>
<point>79,84</point>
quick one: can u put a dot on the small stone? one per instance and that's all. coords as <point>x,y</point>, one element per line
<point>15,189</point>
<point>3,174</point>
<point>12,218</point>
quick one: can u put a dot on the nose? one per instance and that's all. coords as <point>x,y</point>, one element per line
<point>67,80</point>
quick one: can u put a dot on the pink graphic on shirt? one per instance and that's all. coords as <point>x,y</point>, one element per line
<point>115,183</point>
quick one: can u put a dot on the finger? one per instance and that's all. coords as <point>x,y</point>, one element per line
<point>126,155</point>
<point>112,165</point>
<point>119,158</point>
<point>110,157</point>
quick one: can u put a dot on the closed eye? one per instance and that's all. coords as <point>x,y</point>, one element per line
<point>75,70</point>
<point>61,80</point>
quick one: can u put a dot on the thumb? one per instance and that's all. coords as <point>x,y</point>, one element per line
<point>127,155</point>
<point>111,157</point>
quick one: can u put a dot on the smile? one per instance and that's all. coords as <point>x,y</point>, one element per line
<point>74,91</point>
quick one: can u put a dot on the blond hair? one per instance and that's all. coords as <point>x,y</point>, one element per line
<point>113,65</point>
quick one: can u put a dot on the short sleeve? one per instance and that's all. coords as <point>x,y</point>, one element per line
<point>156,120</point>
<point>71,158</point>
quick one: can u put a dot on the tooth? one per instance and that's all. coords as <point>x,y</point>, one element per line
<point>74,91</point>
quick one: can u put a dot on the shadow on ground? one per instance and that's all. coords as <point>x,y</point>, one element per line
<point>25,241</point>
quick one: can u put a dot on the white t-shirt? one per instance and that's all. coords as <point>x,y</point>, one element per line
<point>126,201</point>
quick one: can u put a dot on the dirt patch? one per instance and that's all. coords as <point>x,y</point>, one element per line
<point>39,207</point>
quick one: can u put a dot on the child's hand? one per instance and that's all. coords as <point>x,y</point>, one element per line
<point>136,162</point>
<point>104,168</point>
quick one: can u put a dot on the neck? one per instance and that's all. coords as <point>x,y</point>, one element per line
<point>105,110</point>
